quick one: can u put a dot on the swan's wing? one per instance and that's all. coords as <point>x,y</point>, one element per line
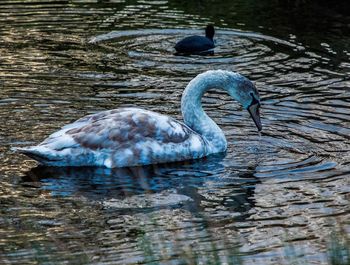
<point>121,128</point>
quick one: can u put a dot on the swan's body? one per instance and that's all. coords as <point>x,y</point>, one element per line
<point>197,44</point>
<point>133,136</point>
<point>119,138</point>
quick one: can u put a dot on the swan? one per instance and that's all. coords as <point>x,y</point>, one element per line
<point>197,44</point>
<point>134,137</point>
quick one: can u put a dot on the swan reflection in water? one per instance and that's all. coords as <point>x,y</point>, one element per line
<point>192,180</point>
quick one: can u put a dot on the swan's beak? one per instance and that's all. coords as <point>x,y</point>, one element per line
<point>254,113</point>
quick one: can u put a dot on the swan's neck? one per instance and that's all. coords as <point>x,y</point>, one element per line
<point>192,110</point>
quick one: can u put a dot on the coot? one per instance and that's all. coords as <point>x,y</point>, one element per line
<point>197,44</point>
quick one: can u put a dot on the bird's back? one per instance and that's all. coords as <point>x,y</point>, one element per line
<point>194,44</point>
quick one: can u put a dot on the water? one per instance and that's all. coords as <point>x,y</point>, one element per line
<point>274,199</point>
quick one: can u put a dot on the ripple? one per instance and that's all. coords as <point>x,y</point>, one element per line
<point>143,32</point>
<point>153,49</point>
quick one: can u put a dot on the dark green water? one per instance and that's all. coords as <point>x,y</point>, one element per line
<point>279,199</point>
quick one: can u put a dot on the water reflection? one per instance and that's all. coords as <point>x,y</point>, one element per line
<point>149,188</point>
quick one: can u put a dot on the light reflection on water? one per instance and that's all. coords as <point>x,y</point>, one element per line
<point>268,197</point>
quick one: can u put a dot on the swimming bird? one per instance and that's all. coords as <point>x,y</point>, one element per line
<point>133,136</point>
<point>197,44</point>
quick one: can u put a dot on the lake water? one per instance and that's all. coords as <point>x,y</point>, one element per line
<point>282,198</point>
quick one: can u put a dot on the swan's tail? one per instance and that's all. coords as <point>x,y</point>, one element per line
<point>38,153</point>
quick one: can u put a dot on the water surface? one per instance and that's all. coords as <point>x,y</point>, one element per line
<point>274,199</point>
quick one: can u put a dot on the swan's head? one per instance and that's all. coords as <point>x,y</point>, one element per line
<point>238,87</point>
<point>245,92</point>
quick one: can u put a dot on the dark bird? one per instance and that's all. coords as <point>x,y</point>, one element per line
<point>197,44</point>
